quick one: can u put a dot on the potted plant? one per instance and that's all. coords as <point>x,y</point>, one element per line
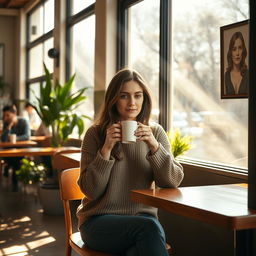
<point>56,106</point>
<point>30,174</point>
<point>179,144</point>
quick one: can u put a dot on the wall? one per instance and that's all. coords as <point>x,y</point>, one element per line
<point>105,48</point>
<point>8,32</point>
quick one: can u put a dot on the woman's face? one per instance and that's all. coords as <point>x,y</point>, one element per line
<point>237,51</point>
<point>130,101</point>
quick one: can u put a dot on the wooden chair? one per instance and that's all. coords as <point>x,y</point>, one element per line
<point>69,190</point>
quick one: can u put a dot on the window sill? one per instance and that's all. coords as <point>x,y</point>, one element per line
<point>224,170</point>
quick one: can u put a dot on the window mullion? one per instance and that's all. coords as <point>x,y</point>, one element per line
<point>164,74</point>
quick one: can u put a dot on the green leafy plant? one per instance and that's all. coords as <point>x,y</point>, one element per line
<point>31,173</point>
<point>56,107</point>
<point>179,144</point>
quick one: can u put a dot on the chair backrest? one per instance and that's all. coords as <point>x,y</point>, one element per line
<point>69,189</point>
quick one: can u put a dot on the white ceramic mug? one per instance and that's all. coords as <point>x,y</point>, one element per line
<point>128,129</point>
<point>13,138</point>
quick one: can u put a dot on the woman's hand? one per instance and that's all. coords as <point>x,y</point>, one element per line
<point>144,133</point>
<point>113,135</point>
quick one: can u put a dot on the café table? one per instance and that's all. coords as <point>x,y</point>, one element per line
<point>71,158</point>
<point>18,144</point>
<point>221,205</point>
<point>38,138</point>
<point>35,151</point>
<point>65,160</point>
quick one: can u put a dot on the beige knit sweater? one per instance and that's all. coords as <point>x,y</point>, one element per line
<point>107,183</point>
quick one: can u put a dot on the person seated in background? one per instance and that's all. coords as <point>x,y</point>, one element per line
<point>13,124</point>
<point>33,118</point>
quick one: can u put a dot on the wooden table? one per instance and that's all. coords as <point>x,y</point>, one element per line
<point>72,158</point>
<point>65,160</point>
<point>38,138</point>
<point>220,205</point>
<point>17,144</point>
<point>35,151</point>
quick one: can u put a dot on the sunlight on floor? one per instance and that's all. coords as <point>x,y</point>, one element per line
<point>24,219</point>
<point>20,250</point>
<point>35,244</point>
<point>40,239</point>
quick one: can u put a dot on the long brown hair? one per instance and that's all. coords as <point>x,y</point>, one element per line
<point>243,66</point>
<point>109,114</point>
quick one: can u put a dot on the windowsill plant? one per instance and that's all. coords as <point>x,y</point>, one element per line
<point>179,144</point>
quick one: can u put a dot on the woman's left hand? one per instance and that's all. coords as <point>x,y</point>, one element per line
<point>144,133</point>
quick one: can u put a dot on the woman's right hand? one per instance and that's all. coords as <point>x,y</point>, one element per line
<point>113,135</point>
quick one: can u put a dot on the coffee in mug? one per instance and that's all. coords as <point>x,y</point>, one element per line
<point>128,129</point>
<point>12,138</point>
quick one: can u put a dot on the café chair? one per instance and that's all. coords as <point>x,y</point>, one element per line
<point>69,190</point>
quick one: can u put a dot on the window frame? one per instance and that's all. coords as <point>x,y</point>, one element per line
<point>71,21</point>
<point>29,45</point>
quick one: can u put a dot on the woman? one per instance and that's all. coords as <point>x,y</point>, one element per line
<point>109,221</point>
<point>236,76</point>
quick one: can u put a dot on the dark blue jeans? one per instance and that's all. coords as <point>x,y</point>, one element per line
<point>140,235</point>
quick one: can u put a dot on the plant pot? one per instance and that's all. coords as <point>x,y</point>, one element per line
<point>49,195</point>
<point>30,189</point>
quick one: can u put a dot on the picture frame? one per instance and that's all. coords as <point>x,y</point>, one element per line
<point>234,69</point>
<point>1,60</point>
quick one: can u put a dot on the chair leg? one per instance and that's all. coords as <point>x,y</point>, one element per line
<point>68,248</point>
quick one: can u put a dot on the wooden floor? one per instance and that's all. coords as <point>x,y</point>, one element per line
<point>24,228</point>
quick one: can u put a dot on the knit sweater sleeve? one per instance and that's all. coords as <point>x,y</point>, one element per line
<point>94,170</point>
<point>167,171</point>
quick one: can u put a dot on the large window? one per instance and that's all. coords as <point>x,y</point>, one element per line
<point>81,39</point>
<point>40,40</point>
<point>143,52</point>
<point>79,5</point>
<point>191,30</point>
<point>140,26</point>
<point>219,127</point>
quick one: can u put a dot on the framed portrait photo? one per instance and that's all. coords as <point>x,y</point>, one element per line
<point>234,69</point>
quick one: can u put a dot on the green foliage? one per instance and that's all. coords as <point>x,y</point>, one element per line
<point>30,173</point>
<point>179,144</point>
<point>56,107</point>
